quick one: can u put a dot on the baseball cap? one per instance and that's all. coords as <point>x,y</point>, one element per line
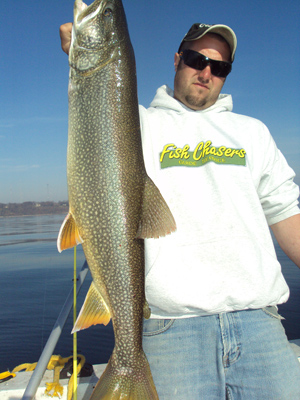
<point>198,30</point>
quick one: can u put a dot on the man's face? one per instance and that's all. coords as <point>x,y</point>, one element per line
<point>196,89</point>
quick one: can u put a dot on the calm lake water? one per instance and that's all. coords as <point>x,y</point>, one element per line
<point>35,282</point>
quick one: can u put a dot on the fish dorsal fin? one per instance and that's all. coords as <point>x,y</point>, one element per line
<point>94,310</point>
<point>68,235</point>
<point>157,219</point>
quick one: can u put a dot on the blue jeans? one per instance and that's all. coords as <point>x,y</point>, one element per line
<point>241,355</point>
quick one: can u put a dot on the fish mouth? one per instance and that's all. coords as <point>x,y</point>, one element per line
<point>95,40</point>
<point>82,11</point>
<point>85,17</point>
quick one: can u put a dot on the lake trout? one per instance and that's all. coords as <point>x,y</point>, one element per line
<point>113,204</point>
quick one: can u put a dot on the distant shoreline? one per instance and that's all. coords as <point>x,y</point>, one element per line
<point>31,208</point>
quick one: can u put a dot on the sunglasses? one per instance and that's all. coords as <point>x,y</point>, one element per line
<point>197,60</point>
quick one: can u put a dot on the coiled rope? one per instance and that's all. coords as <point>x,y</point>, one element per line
<point>56,363</point>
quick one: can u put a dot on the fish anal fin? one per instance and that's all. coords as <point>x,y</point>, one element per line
<point>68,236</point>
<point>157,219</point>
<point>94,310</point>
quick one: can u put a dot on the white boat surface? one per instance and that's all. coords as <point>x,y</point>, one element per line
<point>14,388</point>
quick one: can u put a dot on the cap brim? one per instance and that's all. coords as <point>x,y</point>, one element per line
<point>223,30</point>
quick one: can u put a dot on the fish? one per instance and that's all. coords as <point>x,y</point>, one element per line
<point>113,204</point>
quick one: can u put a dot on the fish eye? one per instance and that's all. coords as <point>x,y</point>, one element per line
<point>107,12</point>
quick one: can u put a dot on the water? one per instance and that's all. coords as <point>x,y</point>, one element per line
<point>35,282</point>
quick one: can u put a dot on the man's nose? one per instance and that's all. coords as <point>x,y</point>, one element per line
<point>205,73</point>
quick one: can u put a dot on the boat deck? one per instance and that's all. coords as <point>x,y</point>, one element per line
<point>15,387</point>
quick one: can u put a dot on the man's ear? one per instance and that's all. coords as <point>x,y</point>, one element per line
<point>176,61</point>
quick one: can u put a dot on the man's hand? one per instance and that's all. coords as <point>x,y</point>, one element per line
<point>287,233</point>
<point>65,32</point>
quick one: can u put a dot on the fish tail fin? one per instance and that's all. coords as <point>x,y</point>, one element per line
<point>130,383</point>
<point>157,219</point>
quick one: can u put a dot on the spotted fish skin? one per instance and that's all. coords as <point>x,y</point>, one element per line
<point>113,203</point>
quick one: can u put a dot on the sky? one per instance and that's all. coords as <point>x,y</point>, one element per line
<point>264,83</point>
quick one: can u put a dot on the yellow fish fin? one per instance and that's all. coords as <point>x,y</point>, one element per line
<point>157,219</point>
<point>94,310</point>
<point>131,382</point>
<point>68,235</point>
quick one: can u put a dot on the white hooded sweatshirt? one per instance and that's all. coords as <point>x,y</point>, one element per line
<point>225,181</point>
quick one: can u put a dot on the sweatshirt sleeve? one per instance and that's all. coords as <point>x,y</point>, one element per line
<point>277,191</point>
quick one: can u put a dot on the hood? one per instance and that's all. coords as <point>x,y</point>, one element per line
<point>164,98</point>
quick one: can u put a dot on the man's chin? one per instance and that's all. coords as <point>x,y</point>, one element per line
<point>195,103</point>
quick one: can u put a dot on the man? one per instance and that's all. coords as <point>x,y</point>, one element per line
<point>213,286</point>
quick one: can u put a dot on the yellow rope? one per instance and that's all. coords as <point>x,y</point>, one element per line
<point>6,375</point>
<point>56,363</point>
<point>26,367</point>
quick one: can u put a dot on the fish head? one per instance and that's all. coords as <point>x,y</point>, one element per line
<point>98,31</point>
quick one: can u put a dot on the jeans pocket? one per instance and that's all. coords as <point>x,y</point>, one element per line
<point>273,312</point>
<point>153,327</point>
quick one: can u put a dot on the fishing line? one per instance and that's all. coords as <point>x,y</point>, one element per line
<point>44,308</point>
<point>75,333</point>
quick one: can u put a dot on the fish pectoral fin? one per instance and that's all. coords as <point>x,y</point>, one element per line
<point>157,219</point>
<point>94,310</point>
<point>68,234</point>
<point>146,310</point>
